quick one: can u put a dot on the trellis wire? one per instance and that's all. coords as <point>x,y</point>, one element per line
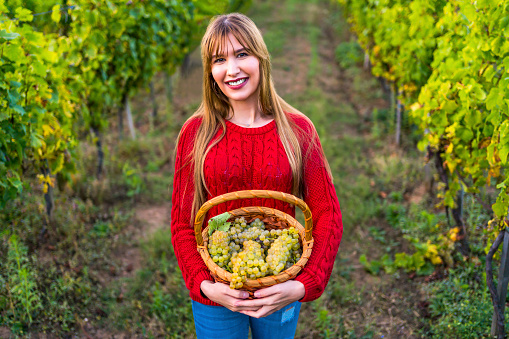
<point>72,7</point>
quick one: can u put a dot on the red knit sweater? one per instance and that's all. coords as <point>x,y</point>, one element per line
<point>254,158</point>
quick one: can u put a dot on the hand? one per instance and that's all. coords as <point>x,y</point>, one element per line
<point>272,299</point>
<point>222,294</point>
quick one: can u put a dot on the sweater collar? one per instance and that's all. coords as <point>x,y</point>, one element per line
<point>250,130</point>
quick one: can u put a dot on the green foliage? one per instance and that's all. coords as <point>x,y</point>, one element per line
<point>156,295</point>
<point>460,306</point>
<point>21,298</point>
<point>101,229</point>
<point>110,52</point>
<point>37,107</point>
<point>418,262</point>
<point>462,106</point>
<point>449,59</point>
<point>349,54</point>
<point>132,179</point>
<point>381,122</point>
<point>218,222</point>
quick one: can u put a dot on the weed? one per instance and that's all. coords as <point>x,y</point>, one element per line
<point>21,299</point>
<point>156,295</point>
<point>132,180</point>
<point>348,54</point>
<point>460,306</point>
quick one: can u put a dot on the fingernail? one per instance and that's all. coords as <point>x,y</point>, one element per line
<point>256,295</point>
<point>245,295</point>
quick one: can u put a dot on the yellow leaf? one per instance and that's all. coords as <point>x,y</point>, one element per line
<point>56,15</point>
<point>450,165</point>
<point>59,164</point>
<point>449,148</point>
<point>432,249</point>
<point>415,106</point>
<point>47,130</point>
<point>436,260</point>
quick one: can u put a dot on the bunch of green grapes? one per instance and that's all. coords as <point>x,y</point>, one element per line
<point>280,253</point>
<point>251,233</point>
<point>238,227</point>
<point>249,251</point>
<point>248,264</point>
<point>219,248</point>
<point>240,222</point>
<point>257,223</point>
<point>242,232</point>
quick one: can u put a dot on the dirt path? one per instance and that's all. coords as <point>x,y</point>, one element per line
<point>129,259</point>
<point>148,219</point>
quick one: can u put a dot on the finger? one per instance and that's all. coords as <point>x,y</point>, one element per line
<point>246,309</point>
<point>251,303</point>
<point>237,293</point>
<point>238,308</point>
<point>266,292</point>
<point>262,312</point>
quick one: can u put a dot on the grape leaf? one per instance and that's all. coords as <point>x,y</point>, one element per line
<point>219,223</point>
<point>56,15</point>
<point>24,14</point>
<point>8,36</point>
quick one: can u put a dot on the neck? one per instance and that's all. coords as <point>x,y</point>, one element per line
<point>244,113</point>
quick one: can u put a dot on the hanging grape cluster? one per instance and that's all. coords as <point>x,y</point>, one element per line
<point>250,251</point>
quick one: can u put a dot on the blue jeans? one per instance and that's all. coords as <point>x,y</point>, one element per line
<point>213,322</point>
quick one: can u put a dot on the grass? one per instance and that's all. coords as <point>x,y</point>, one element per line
<point>155,300</point>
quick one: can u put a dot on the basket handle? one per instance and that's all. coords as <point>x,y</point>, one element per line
<point>249,194</point>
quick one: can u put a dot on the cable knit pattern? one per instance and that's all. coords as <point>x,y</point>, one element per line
<point>254,158</point>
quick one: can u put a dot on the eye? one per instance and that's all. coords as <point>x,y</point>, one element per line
<point>217,60</point>
<point>242,54</point>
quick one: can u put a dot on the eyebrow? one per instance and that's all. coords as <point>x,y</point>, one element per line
<point>236,52</point>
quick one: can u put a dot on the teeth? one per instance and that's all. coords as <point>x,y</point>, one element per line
<point>236,82</point>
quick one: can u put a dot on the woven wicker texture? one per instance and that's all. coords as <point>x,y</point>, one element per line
<point>273,219</point>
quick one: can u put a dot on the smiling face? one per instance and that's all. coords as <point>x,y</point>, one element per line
<point>236,72</point>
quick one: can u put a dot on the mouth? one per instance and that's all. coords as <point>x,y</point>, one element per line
<point>236,84</point>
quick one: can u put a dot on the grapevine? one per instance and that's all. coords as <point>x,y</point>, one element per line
<point>455,85</point>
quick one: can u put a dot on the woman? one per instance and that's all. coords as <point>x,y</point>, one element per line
<point>244,136</point>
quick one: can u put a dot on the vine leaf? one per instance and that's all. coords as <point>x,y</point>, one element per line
<point>219,223</point>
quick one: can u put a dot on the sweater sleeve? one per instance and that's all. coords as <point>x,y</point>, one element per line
<point>183,240</point>
<point>320,195</point>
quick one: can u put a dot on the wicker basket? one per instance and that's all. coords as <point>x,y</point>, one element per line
<point>273,219</point>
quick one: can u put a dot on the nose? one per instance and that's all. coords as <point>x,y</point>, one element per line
<point>233,67</point>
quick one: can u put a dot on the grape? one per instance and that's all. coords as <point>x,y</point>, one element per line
<point>219,248</point>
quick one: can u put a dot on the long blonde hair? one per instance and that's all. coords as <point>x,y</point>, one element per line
<point>215,106</point>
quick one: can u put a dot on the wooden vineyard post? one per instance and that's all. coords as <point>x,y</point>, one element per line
<point>129,115</point>
<point>503,280</point>
<point>153,98</point>
<point>399,108</point>
<point>367,63</point>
